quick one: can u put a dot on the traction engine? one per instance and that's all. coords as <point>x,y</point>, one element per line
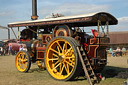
<point>62,48</point>
<point>59,52</point>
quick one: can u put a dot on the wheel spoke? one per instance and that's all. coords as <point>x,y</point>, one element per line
<point>56,62</point>
<point>19,62</point>
<point>71,61</point>
<point>19,59</point>
<point>58,49</point>
<point>59,45</point>
<point>25,57</point>
<point>21,66</point>
<point>22,56</point>
<point>25,65</point>
<point>55,55</point>
<point>62,69</point>
<point>69,64</point>
<point>56,67</point>
<point>25,60</point>
<point>68,51</point>
<point>70,57</point>
<point>53,59</point>
<point>19,56</point>
<point>66,68</point>
<point>63,48</point>
<point>54,50</point>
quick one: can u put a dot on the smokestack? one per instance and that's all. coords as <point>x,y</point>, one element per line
<point>34,10</point>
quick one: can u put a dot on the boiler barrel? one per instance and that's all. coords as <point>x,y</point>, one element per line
<point>30,45</point>
<point>16,46</point>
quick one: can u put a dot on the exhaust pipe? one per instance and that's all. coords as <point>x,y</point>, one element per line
<point>34,10</point>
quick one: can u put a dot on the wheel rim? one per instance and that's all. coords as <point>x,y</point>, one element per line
<point>60,59</point>
<point>21,61</point>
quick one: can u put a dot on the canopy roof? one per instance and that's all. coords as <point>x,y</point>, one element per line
<point>78,20</point>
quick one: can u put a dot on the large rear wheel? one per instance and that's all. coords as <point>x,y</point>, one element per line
<point>61,58</point>
<point>22,61</point>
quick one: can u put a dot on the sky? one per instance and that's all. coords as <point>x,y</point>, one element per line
<point>21,10</point>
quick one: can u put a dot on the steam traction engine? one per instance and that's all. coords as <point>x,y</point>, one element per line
<point>65,49</point>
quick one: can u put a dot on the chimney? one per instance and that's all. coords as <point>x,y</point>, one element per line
<point>34,10</point>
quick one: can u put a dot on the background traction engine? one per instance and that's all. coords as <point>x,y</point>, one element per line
<point>59,53</point>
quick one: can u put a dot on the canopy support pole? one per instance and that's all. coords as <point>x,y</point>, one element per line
<point>18,33</point>
<point>98,27</point>
<point>8,33</point>
<point>14,33</point>
<point>107,28</point>
<point>31,30</point>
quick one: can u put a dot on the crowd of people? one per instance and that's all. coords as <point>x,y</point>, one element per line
<point>22,48</point>
<point>8,50</point>
<point>4,49</point>
<point>118,52</point>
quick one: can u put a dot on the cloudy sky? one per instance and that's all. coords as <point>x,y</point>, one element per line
<point>20,10</point>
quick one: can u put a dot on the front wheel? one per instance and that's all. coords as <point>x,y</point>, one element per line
<point>61,58</point>
<point>22,61</point>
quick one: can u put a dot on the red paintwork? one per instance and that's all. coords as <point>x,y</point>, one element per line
<point>24,40</point>
<point>61,30</point>
<point>40,54</point>
<point>95,34</point>
<point>86,46</point>
<point>41,48</point>
<point>92,51</point>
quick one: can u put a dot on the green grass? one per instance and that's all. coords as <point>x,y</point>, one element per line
<point>10,76</point>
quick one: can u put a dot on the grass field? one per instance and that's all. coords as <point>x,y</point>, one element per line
<point>10,76</point>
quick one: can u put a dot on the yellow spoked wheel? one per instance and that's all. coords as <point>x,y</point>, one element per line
<point>61,59</point>
<point>22,61</point>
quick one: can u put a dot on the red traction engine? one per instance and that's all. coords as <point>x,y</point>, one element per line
<point>54,42</point>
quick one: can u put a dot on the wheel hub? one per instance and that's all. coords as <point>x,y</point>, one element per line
<point>61,58</point>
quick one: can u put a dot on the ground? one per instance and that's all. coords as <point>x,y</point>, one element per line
<point>10,76</point>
